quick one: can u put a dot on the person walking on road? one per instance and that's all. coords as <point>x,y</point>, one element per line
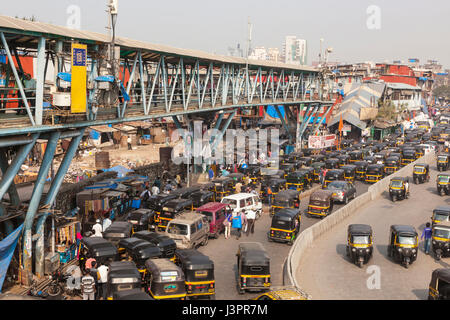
<point>227,224</point>
<point>427,234</point>
<point>237,224</point>
<point>269,195</point>
<point>97,229</point>
<point>251,217</point>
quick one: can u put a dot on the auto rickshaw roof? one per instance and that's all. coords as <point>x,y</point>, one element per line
<point>360,229</point>
<point>318,164</point>
<point>422,165</point>
<point>253,253</point>
<point>201,194</point>
<point>193,259</point>
<point>123,269</point>
<point>404,229</point>
<point>212,207</point>
<point>403,179</point>
<point>182,192</point>
<point>178,203</point>
<point>156,266</point>
<point>335,172</point>
<point>441,273</point>
<point>287,194</point>
<point>137,214</point>
<point>393,158</point>
<point>375,166</point>
<point>131,243</point>
<point>348,167</point>
<point>286,214</point>
<point>97,243</point>
<point>132,294</point>
<point>361,163</point>
<point>150,236</point>
<point>119,226</point>
<point>321,195</point>
<point>277,181</point>
<point>332,160</point>
<point>222,179</point>
<point>443,209</point>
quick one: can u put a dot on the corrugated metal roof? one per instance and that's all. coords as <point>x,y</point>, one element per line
<point>359,96</point>
<point>401,86</point>
<point>58,31</point>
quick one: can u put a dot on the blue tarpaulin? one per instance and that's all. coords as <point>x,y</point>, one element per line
<point>7,247</point>
<point>65,76</point>
<point>273,113</point>
<point>105,79</point>
<point>121,171</point>
<point>94,134</point>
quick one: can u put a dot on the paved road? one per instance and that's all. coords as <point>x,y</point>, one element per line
<point>222,252</point>
<point>326,273</point>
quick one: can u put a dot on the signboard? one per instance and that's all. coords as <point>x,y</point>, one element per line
<point>346,128</point>
<point>321,142</point>
<point>78,85</point>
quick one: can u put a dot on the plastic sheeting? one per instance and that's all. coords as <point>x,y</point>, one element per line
<point>7,247</point>
<point>121,171</point>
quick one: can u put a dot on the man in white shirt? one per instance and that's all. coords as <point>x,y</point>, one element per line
<point>102,280</point>
<point>155,190</point>
<point>97,229</point>
<point>106,222</point>
<point>251,216</point>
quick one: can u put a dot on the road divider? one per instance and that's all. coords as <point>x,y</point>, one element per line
<point>309,235</point>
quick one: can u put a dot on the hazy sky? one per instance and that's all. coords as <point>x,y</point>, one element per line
<point>408,28</point>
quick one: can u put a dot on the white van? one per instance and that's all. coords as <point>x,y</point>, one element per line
<point>244,201</point>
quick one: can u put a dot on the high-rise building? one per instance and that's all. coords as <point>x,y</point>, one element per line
<point>295,50</point>
<point>259,53</point>
<point>273,54</point>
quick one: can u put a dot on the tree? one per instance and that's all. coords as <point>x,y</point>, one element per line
<point>442,91</point>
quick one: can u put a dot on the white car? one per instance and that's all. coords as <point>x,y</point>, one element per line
<point>244,201</point>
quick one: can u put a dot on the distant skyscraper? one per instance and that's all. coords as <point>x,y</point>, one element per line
<point>295,50</point>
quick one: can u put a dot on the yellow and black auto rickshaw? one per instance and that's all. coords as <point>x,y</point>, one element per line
<point>403,244</point>
<point>443,184</point>
<point>333,175</point>
<point>165,280</point>
<point>441,239</point>
<point>349,172</point>
<point>359,243</point>
<point>318,167</point>
<point>138,251</point>
<point>399,188</point>
<point>285,226</point>
<point>198,271</point>
<point>361,169</point>
<point>320,203</point>
<point>284,293</point>
<point>223,186</point>
<point>374,173</point>
<point>421,173</point>
<point>408,156</point>
<point>439,288</point>
<point>297,180</point>
<point>122,275</point>
<point>440,214</point>
<point>332,163</point>
<point>392,164</point>
<point>355,156</point>
<point>285,199</point>
<point>442,162</point>
<point>253,267</point>
<point>172,209</point>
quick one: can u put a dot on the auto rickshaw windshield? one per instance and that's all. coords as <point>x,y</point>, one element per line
<point>175,228</point>
<point>406,240</point>
<point>442,158</point>
<point>361,239</point>
<point>419,169</point>
<point>443,178</point>
<point>441,233</point>
<point>441,216</point>
<point>396,184</point>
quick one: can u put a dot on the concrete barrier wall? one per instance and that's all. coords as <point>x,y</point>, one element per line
<point>308,236</point>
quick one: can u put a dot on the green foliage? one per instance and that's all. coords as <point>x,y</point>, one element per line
<point>442,91</point>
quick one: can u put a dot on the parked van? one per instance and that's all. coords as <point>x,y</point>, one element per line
<point>244,201</point>
<point>189,230</point>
